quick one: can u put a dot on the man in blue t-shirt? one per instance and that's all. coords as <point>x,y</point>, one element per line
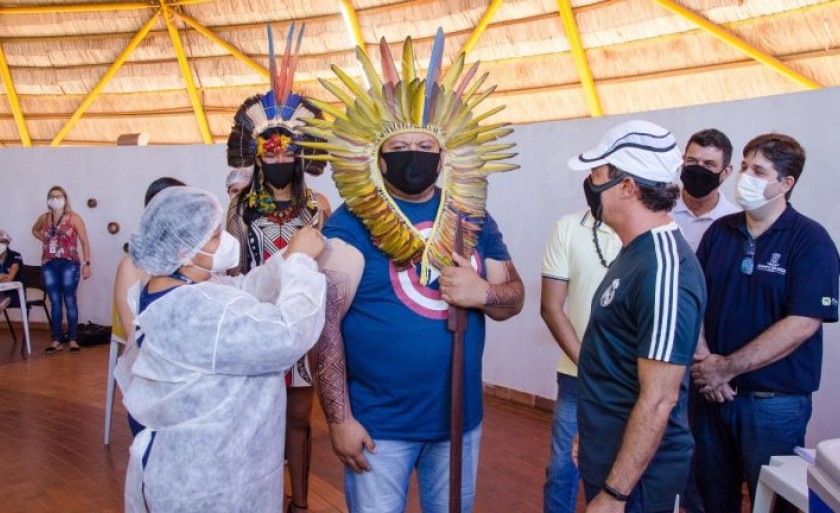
<point>10,264</point>
<point>772,277</point>
<point>635,443</point>
<point>383,361</point>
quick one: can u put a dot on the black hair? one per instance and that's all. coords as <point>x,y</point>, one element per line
<point>657,197</point>
<point>160,184</point>
<point>712,137</point>
<point>785,152</point>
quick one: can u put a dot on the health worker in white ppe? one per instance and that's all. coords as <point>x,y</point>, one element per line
<point>208,384</point>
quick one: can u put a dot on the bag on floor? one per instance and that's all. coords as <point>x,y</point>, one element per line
<point>92,334</point>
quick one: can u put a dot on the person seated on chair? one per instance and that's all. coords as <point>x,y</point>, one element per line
<point>10,264</point>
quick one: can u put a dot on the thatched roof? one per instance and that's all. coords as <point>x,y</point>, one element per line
<point>641,55</point>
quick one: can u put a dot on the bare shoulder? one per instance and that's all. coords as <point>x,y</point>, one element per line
<point>127,271</point>
<point>341,257</point>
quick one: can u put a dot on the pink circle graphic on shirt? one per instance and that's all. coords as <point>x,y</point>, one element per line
<point>423,300</point>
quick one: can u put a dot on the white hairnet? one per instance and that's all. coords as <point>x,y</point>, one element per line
<point>238,175</point>
<point>5,236</point>
<point>176,224</point>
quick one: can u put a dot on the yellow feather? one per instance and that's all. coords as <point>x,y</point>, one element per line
<point>418,90</point>
<point>351,84</point>
<point>408,72</point>
<point>497,156</point>
<point>494,135</point>
<point>337,92</point>
<point>489,148</point>
<point>497,167</point>
<point>373,77</point>
<point>326,107</point>
<point>453,73</point>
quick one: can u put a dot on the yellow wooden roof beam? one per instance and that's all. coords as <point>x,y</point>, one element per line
<point>579,56</point>
<point>183,62</point>
<point>481,26</point>
<point>738,43</point>
<point>209,34</point>
<point>14,101</point>
<point>351,21</point>
<point>109,74</point>
<point>68,8</point>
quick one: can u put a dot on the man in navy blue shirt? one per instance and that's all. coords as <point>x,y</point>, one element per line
<point>635,443</point>
<point>772,277</point>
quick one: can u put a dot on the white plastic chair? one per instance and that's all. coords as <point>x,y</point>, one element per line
<point>824,475</point>
<point>116,342</point>
<point>784,476</point>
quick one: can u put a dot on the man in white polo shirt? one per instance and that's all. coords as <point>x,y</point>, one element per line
<point>707,164</point>
<point>576,259</point>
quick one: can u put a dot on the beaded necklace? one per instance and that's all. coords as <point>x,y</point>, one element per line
<point>598,246</point>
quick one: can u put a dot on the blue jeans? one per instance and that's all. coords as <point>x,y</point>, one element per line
<point>61,278</point>
<point>384,488</point>
<point>634,505</point>
<point>734,439</point>
<point>562,476</point>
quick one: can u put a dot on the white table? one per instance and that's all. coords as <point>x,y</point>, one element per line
<point>785,476</point>
<point>11,285</point>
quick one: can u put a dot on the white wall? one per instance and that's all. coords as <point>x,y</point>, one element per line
<point>520,353</point>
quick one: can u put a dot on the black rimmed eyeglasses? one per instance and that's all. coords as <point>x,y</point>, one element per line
<point>748,263</point>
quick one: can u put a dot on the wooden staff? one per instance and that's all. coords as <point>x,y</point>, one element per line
<point>457,324</point>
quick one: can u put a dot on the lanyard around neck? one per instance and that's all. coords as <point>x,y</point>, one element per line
<point>55,224</point>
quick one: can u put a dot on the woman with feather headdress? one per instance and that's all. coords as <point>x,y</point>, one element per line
<point>266,215</point>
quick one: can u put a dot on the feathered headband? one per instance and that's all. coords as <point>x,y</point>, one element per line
<point>271,122</point>
<point>441,105</point>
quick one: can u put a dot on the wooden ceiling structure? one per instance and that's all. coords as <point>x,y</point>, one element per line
<point>83,72</point>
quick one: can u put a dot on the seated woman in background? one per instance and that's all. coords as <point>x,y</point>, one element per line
<point>61,231</point>
<point>10,262</point>
<point>208,377</point>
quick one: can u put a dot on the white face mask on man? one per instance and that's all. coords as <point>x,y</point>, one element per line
<point>749,192</point>
<point>226,255</point>
<point>3,247</point>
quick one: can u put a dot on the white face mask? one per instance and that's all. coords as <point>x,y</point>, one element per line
<point>749,192</point>
<point>3,247</point>
<point>55,203</point>
<point>226,255</point>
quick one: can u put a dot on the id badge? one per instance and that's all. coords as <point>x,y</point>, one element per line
<point>53,247</point>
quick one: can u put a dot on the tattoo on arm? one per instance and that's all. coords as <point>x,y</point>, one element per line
<point>330,369</point>
<point>509,293</point>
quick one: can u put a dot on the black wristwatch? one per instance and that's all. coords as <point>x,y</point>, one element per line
<point>615,494</point>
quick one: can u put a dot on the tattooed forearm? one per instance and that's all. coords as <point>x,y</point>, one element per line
<point>508,295</point>
<point>330,369</point>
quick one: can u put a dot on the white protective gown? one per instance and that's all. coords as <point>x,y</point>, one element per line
<point>208,382</point>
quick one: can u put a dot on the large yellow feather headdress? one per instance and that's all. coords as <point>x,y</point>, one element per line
<point>440,105</point>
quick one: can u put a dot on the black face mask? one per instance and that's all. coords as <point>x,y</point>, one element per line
<point>278,175</point>
<point>699,181</point>
<point>411,172</point>
<point>593,194</point>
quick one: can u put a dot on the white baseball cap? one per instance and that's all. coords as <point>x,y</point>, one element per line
<point>640,148</point>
